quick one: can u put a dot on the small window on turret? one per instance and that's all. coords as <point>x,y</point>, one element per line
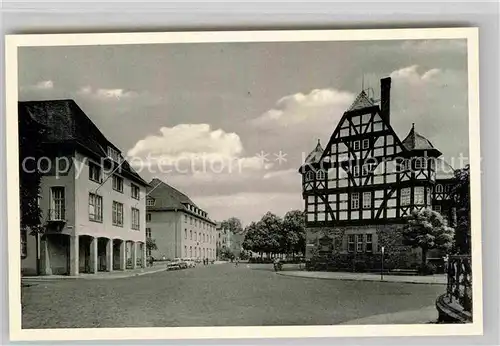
<point>320,175</point>
<point>309,176</point>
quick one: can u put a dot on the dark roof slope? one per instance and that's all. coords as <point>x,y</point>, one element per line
<point>167,197</point>
<point>66,123</point>
<point>415,141</point>
<point>315,155</point>
<point>361,101</point>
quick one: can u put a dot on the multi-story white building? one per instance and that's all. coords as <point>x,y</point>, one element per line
<point>178,226</point>
<point>92,202</point>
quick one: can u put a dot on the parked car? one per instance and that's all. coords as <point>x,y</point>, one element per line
<point>182,264</point>
<point>173,265</point>
<point>190,262</point>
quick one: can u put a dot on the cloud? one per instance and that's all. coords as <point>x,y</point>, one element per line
<point>42,85</point>
<point>185,139</point>
<point>282,174</point>
<point>312,108</point>
<point>106,94</point>
<point>436,101</point>
<point>194,148</point>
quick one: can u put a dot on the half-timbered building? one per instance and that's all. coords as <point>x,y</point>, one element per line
<point>365,181</point>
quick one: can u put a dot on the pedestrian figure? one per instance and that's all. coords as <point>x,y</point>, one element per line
<point>236,262</point>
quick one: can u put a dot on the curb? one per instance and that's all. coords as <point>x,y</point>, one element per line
<point>360,279</point>
<point>31,282</point>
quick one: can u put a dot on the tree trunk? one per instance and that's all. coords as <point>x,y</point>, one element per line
<point>424,256</point>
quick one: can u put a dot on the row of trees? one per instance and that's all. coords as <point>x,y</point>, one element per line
<point>275,235</point>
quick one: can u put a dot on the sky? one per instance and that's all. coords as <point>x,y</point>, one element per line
<point>229,124</point>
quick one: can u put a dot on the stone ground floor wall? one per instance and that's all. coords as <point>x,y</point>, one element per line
<point>330,247</point>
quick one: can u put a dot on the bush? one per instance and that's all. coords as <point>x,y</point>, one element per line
<point>426,269</point>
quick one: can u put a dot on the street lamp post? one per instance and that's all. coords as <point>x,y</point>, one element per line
<point>382,265</point>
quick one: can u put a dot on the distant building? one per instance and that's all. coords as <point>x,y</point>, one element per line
<point>229,240</point>
<point>92,201</point>
<point>360,187</point>
<point>178,226</point>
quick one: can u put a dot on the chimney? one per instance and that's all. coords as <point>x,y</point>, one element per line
<point>385,98</point>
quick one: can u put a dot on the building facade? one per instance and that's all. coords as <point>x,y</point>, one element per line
<point>358,190</point>
<point>178,226</point>
<point>92,202</point>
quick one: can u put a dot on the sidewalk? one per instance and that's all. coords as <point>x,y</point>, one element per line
<point>430,279</point>
<point>99,276</point>
<point>422,316</point>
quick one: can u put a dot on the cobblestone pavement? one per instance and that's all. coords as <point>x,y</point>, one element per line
<point>217,295</point>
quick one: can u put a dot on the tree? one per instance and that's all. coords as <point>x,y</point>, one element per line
<point>294,232</point>
<point>270,231</point>
<point>460,194</point>
<point>427,229</point>
<point>151,245</point>
<point>232,224</point>
<point>30,151</point>
<point>226,253</point>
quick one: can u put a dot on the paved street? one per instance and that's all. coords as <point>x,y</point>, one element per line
<point>217,295</point>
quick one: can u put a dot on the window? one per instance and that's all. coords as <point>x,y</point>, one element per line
<point>350,243</point>
<point>135,191</point>
<point>191,235</point>
<point>437,208</point>
<point>190,251</point>
<point>135,219</point>
<point>117,214</point>
<point>356,145</point>
<point>190,220</point>
<point>185,250</point>
<point>405,196</point>
<point>117,183</point>
<point>366,170</point>
<point>359,243</point>
<point>406,165</point>
<point>185,218</point>
<point>57,208</point>
<point>148,217</point>
<point>148,232</point>
<point>24,243</point>
<point>419,195</point>
<point>439,188</point>
<point>150,202</point>
<point>356,171</point>
<point>367,200</point>
<point>369,243</point>
<point>185,234</point>
<point>114,154</point>
<point>199,236</point>
<point>366,143</point>
<point>420,163</point>
<point>94,172</point>
<point>355,200</point>
<point>320,175</point>
<point>95,207</point>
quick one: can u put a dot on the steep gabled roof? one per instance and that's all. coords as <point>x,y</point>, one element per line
<point>361,101</point>
<point>166,196</point>
<point>315,155</point>
<point>415,141</point>
<point>65,122</point>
